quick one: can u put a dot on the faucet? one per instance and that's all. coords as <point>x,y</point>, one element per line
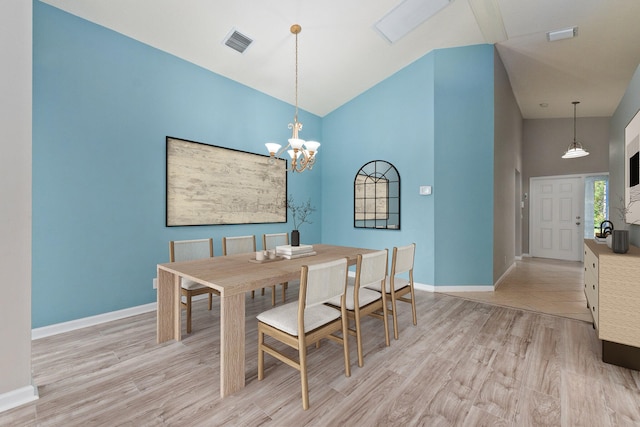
<point>606,228</point>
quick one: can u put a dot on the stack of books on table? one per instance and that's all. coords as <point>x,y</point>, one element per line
<point>292,252</point>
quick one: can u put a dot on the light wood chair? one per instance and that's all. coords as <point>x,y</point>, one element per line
<point>270,241</point>
<point>397,287</point>
<point>371,269</point>
<point>240,245</point>
<point>306,321</point>
<point>187,250</point>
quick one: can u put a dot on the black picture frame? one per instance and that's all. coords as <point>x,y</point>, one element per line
<point>213,185</point>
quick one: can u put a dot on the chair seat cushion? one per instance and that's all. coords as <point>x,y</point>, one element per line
<point>285,317</point>
<point>190,285</point>
<point>365,297</point>
<point>398,283</point>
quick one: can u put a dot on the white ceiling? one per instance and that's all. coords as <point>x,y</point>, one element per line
<point>340,55</point>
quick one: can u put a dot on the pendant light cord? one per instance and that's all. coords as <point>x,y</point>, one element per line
<point>296,115</point>
<point>574,121</point>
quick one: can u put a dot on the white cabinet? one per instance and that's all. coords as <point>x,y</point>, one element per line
<point>591,282</point>
<point>612,288</point>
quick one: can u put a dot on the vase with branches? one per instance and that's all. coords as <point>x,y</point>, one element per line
<point>300,213</point>
<point>620,238</point>
<point>624,210</point>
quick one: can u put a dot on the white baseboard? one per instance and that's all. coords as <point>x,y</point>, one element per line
<point>72,325</point>
<point>423,287</point>
<point>432,288</point>
<point>18,397</point>
<point>482,288</point>
<point>499,281</point>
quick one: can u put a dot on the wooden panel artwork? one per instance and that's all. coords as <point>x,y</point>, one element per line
<point>209,185</point>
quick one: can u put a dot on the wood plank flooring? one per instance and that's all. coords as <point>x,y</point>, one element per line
<point>540,285</point>
<point>467,363</point>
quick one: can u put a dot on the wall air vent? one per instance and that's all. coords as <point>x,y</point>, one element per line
<point>237,41</point>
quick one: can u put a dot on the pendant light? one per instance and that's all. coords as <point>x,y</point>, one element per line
<point>575,149</point>
<point>303,153</point>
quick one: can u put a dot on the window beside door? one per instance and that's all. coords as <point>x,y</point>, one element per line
<point>596,203</point>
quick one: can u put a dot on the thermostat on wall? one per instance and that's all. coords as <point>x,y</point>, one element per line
<point>425,190</point>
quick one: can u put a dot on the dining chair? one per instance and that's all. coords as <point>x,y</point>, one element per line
<point>187,250</point>
<point>306,321</point>
<point>397,287</point>
<point>371,269</point>
<point>270,241</point>
<point>240,245</point>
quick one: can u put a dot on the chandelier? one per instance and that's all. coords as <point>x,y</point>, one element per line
<point>575,149</point>
<point>303,153</point>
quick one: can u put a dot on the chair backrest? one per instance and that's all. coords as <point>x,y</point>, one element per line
<point>403,259</point>
<point>270,241</point>
<point>372,268</point>
<point>321,282</point>
<point>238,245</point>
<point>187,250</point>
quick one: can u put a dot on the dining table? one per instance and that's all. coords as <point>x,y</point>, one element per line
<point>232,276</point>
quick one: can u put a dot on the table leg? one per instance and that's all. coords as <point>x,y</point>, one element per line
<point>168,316</point>
<point>232,329</point>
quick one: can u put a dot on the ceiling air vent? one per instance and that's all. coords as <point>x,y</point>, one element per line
<point>237,41</point>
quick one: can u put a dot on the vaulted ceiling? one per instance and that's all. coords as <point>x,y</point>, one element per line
<point>341,55</point>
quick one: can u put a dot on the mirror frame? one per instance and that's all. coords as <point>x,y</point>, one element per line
<point>376,196</point>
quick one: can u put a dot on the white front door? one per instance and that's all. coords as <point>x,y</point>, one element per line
<point>557,207</point>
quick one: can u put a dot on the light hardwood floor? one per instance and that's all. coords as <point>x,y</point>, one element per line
<point>540,285</point>
<point>466,363</point>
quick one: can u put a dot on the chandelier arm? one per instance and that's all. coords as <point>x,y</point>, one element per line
<point>281,151</point>
<point>296,166</point>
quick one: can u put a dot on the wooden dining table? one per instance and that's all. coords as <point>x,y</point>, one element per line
<point>233,276</point>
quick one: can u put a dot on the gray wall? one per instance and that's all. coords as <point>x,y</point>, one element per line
<point>628,107</point>
<point>544,142</point>
<point>507,160</point>
<point>15,193</point>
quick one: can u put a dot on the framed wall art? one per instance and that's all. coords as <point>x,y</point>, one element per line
<point>207,185</point>
<point>632,170</point>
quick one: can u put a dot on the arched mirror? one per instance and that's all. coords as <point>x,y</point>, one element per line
<point>376,196</point>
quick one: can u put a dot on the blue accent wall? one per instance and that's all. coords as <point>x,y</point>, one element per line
<point>393,121</point>
<point>464,137</point>
<point>103,105</point>
<point>433,120</point>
